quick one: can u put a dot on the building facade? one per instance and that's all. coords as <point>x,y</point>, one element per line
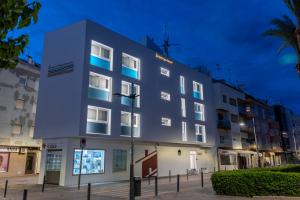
<point>83,66</point>
<point>246,129</point>
<point>19,152</point>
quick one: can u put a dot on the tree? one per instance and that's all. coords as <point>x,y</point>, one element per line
<point>15,15</point>
<point>287,29</point>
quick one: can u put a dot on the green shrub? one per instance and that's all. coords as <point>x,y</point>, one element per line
<point>278,181</point>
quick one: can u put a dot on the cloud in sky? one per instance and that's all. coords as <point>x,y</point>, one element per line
<point>223,32</point>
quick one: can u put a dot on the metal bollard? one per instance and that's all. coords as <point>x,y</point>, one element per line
<point>25,194</point>
<point>89,191</point>
<point>5,188</point>
<point>202,183</point>
<point>170,176</point>
<point>156,191</point>
<point>187,174</point>
<point>43,186</point>
<point>225,167</point>
<point>149,180</point>
<point>214,169</point>
<point>177,182</point>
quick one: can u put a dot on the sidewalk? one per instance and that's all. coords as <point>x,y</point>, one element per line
<point>189,189</point>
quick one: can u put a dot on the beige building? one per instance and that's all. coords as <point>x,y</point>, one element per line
<point>19,152</point>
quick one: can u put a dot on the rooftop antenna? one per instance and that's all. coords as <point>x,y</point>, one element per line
<point>166,43</point>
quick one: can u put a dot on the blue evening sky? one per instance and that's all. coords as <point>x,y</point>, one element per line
<point>224,35</point>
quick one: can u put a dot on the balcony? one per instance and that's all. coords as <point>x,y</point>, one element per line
<point>96,128</point>
<point>127,71</point>
<point>127,102</point>
<point>197,95</point>
<point>98,94</point>
<point>99,62</point>
<point>224,124</point>
<point>126,131</point>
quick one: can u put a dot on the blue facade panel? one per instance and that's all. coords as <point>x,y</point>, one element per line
<point>198,116</point>
<point>197,95</point>
<point>129,72</point>
<point>98,62</point>
<point>127,101</point>
<point>98,94</point>
<point>93,127</point>
<point>125,131</point>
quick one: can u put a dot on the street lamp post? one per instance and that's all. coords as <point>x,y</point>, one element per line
<point>132,97</point>
<point>255,137</point>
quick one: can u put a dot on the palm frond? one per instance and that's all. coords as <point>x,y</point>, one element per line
<point>294,7</point>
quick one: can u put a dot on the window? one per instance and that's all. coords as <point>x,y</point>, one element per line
<point>184,135</point>
<point>16,129</point>
<point>126,119</point>
<point>182,85</point>
<point>23,80</point>
<point>119,160</point>
<point>232,102</point>
<point>101,55</point>
<point>165,72</point>
<point>228,159</point>
<point>234,118</point>
<point>199,111</point>
<point>197,90</point>
<point>100,50</point>
<point>98,115</point>
<point>130,66</point>
<point>224,98</point>
<point>183,108</point>
<point>92,161</point>
<point>165,121</point>
<point>20,104</point>
<point>100,82</point>
<point>200,133</point>
<point>126,90</point>
<point>165,96</point>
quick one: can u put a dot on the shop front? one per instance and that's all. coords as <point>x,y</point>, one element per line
<point>19,161</point>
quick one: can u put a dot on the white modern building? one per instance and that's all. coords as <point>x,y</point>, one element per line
<point>19,152</point>
<point>174,117</point>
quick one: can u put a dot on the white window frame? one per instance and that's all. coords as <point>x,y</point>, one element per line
<point>200,91</point>
<point>108,122</point>
<point>166,121</point>
<point>136,115</point>
<point>137,89</point>
<point>182,85</point>
<point>109,89</point>
<point>203,131</point>
<point>133,58</point>
<point>199,108</point>
<point>164,72</point>
<point>165,96</point>
<point>183,107</point>
<point>103,46</point>
<point>184,131</point>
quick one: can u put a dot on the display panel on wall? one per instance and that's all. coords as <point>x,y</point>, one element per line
<point>4,160</point>
<point>92,161</point>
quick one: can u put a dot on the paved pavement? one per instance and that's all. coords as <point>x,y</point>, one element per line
<point>189,189</point>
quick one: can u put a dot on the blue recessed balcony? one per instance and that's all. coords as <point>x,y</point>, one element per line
<point>125,131</point>
<point>197,95</point>
<point>198,116</point>
<point>98,94</point>
<point>199,138</point>
<point>126,71</point>
<point>94,127</point>
<point>127,102</point>
<point>99,62</point>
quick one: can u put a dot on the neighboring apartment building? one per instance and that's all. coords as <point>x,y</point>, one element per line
<point>236,113</point>
<point>258,119</point>
<point>174,121</point>
<point>288,123</point>
<point>19,152</point>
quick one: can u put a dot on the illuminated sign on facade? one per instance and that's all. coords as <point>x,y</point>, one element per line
<point>163,58</point>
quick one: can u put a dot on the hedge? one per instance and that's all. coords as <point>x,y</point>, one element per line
<point>277,181</point>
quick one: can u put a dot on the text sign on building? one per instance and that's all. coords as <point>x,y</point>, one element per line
<point>163,58</point>
<point>10,149</point>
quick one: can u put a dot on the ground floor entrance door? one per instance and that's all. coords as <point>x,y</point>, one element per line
<point>53,166</point>
<point>30,163</point>
<point>193,160</point>
<point>242,162</point>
